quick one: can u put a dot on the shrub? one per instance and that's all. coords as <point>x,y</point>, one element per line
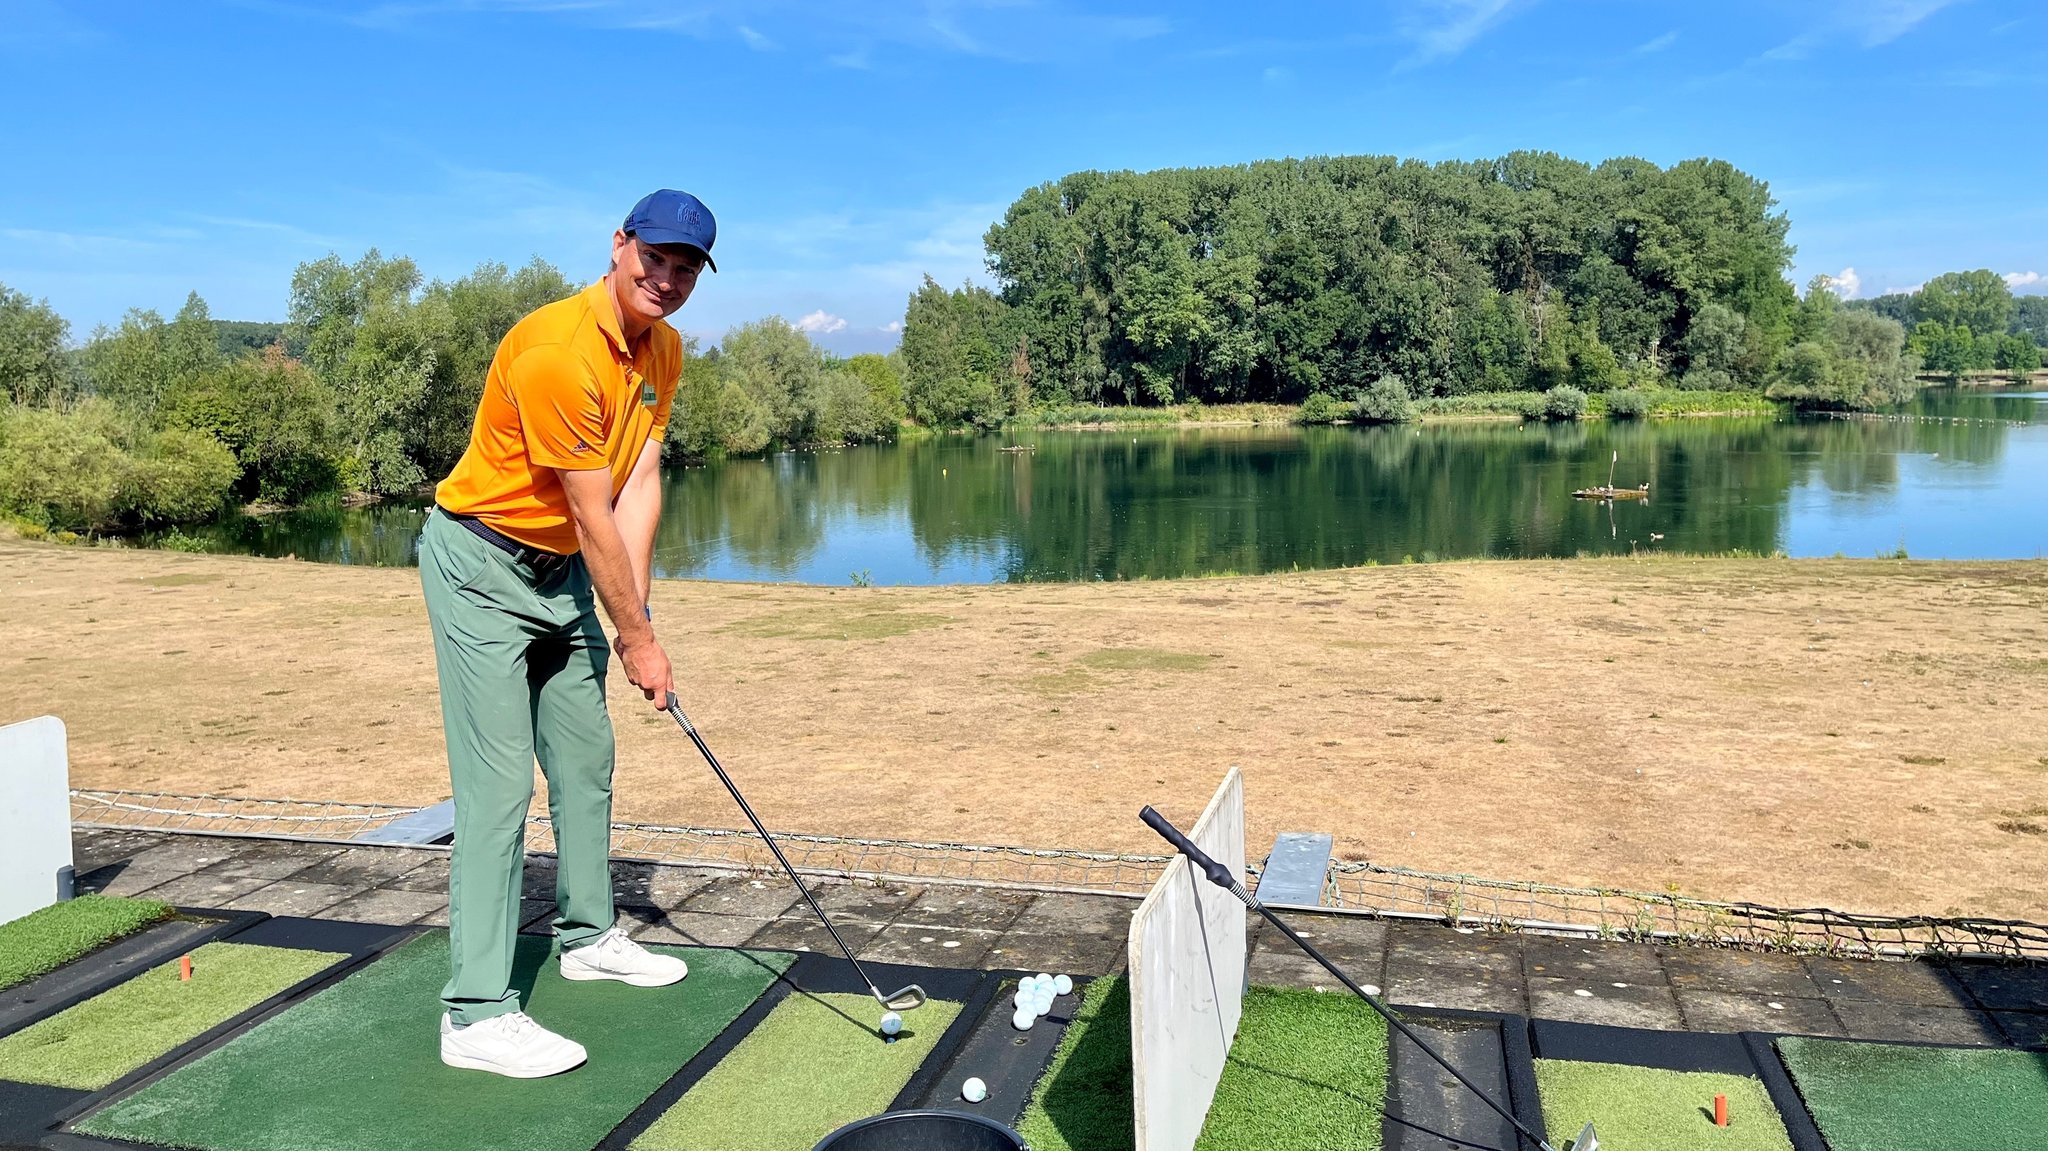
<point>1564,402</point>
<point>181,475</point>
<point>1627,404</point>
<point>1320,409</point>
<point>1386,402</point>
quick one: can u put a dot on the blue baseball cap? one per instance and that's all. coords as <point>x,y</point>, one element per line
<point>672,217</point>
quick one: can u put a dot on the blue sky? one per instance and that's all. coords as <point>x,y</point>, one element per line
<point>850,148</point>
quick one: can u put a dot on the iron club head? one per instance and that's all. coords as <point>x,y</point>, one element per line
<point>909,999</point>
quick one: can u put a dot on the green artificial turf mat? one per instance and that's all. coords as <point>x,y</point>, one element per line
<point>357,1066</point>
<point>1646,1109</point>
<point>91,1044</point>
<point>1307,1070</point>
<point>44,940</point>
<point>1083,1101</point>
<point>812,1066</point>
<point>1885,1097</point>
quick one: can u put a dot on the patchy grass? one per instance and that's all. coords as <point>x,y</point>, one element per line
<point>827,625</point>
<point>44,940</point>
<point>1145,659</point>
<point>1646,1109</point>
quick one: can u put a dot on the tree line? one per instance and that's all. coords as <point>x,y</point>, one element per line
<point>1351,282</point>
<point>1968,322</point>
<point>369,387</point>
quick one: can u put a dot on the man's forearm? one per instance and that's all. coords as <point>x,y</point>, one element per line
<point>611,567</point>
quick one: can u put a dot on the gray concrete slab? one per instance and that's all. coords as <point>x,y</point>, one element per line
<point>2023,1028</point>
<point>185,853</point>
<point>1601,960</point>
<point>285,897</point>
<point>203,890</point>
<point>1753,1011</point>
<point>124,878</point>
<point>2006,987</point>
<point>430,875</point>
<point>743,896</point>
<point>1467,988</point>
<point>869,902</point>
<point>1075,954</point>
<point>1768,974</point>
<point>1412,944</point>
<point>364,866</point>
<point>1579,1000</point>
<point>387,905</point>
<point>270,859</point>
<point>93,847</point>
<point>536,916</point>
<point>1359,946</point>
<point>1293,968</point>
<point>1060,913</point>
<point>981,908</point>
<point>654,925</point>
<point>1865,1019</point>
<point>810,935</point>
<point>930,946</point>
<point>1887,981</point>
<point>673,886</point>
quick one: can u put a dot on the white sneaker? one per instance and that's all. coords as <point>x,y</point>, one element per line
<point>613,956</point>
<point>512,1045</point>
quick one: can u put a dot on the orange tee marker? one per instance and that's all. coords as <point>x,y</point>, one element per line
<point>185,969</point>
<point>1720,1111</point>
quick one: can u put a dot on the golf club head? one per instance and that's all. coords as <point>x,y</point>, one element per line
<point>1587,1140</point>
<point>909,999</point>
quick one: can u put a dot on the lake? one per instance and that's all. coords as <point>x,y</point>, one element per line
<point>1960,474</point>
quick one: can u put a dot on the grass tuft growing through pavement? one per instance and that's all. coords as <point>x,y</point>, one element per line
<point>825,1043</point>
<point>1307,1071</point>
<point>1648,1109</point>
<point>1880,1096</point>
<point>42,941</point>
<point>88,1046</point>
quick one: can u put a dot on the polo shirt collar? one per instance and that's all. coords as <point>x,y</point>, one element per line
<point>599,296</point>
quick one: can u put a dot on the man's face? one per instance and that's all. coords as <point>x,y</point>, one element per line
<point>653,280</point>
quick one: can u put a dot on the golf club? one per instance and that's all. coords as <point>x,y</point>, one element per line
<point>907,999</point>
<point>1221,877</point>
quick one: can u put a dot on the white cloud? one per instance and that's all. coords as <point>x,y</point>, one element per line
<point>893,327</point>
<point>1883,21</point>
<point>821,323</point>
<point>1659,44</point>
<point>1846,283</point>
<point>755,40</point>
<point>2023,279</point>
<point>1444,28</point>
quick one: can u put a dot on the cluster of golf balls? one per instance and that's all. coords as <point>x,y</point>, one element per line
<point>1034,997</point>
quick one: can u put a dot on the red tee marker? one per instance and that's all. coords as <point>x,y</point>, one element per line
<point>185,969</point>
<point>1720,1111</point>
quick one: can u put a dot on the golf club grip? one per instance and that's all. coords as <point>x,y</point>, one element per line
<point>1217,873</point>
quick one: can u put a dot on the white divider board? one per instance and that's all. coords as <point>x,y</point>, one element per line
<point>35,816</point>
<point>1187,967</point>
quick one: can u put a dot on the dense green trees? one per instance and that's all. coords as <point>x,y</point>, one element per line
<point>32,364</point>
<point>1287,279</point>
<point>1968,322</point>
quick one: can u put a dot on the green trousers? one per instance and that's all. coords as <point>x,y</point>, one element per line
<point>522,659</point>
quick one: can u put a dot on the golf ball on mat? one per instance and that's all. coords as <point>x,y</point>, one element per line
<point>974,1090</point>
<point>1044,977</point>
<point>1062,984</point>
<point>1023,1019</point>
<point>892,1023</point>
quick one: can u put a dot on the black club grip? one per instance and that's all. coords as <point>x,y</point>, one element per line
<point>1217,873</point>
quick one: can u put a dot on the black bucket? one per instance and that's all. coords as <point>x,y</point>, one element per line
<point>923,1131</point>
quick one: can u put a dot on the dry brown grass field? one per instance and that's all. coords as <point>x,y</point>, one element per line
<point>1867,735</point>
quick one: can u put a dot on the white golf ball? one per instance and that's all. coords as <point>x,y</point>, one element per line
<point>974,1090</point>
<point>1062,984</point>
<point>1042,1005</point>
<point>1025,994</point>
<point>1043,977</point>
<point>892,1023</point>
<point>1023,1019</point>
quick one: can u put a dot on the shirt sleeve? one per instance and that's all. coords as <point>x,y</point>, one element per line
<point>665,397</point>
<point>561,409</point>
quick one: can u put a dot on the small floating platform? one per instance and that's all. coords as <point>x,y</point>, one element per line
<point>1641,493</point>
<point>1019,448</point>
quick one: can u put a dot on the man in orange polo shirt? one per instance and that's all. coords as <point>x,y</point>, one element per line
<point>551,510</point>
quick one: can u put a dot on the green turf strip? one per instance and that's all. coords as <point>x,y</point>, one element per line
<point>357,1066</point>
<point>89,1045</point>
<point>1645,1109</point>
<point>813,1065</point>
<point>42,941</point>
<point>1883,1097</point>
<point>1307,1070</point>
<point>1083,1101</point>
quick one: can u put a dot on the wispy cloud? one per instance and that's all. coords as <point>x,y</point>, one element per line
<point>821,323</point>
<point>755,40</point>
<point>2018,280</point>
<point>1883,21</point>
<point>1441,29</point>
<point>1659,44</point>
<point>1846,283</point>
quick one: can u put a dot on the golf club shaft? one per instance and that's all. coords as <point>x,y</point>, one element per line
<point>675,710</point>
<point>1222,877</point>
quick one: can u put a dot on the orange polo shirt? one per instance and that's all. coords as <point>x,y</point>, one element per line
<point>565,393</point>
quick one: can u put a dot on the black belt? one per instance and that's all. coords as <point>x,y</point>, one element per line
<point>533,557</point>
